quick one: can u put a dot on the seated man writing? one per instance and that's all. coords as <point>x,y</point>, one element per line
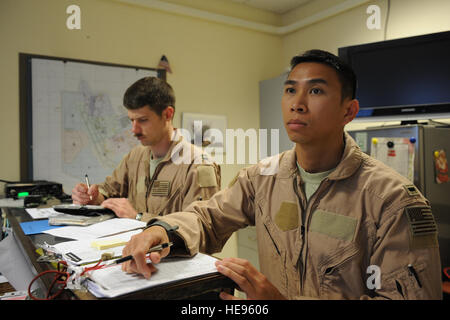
<point>166,173</point>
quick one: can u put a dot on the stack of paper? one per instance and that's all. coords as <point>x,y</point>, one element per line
<point>101,229</point>
<point>82,252</point>
<point>112,281</point>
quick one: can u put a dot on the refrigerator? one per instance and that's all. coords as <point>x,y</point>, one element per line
<point>420,150</point>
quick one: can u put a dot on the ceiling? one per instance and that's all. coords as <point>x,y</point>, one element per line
<point>279,7</point>
<point>276,6</point>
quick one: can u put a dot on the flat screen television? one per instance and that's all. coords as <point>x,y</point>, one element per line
<point>403,79</point>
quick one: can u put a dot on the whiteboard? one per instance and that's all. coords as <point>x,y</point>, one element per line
<point>77,123</point>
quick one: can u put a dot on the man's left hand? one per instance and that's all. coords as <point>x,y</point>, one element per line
<point>249,279</point>
<point>121,207</point>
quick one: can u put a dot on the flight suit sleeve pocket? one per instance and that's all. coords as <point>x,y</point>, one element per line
<point>406,283</point>
<point>335,271</point>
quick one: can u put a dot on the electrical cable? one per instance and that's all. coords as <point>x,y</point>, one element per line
<point>61,276</point>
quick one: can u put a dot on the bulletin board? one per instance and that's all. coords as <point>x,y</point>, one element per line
<point>397,153</point>
<point>72,118</point>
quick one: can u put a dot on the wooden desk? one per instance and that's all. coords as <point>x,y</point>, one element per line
<point>205,287</point>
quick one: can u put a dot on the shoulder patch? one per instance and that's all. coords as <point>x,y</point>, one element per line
<point>206,176</point>
<point>422,226</point>
<point>411,190</point>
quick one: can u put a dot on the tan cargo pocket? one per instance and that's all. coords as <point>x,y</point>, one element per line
<point>337,272</point>
<point>405,283</point>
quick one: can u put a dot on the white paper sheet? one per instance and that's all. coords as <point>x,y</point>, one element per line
<point>41,213</point>
<point>97,230</point>
<point>400,157</point>
<point>88,254</point>
<point>112,281</point>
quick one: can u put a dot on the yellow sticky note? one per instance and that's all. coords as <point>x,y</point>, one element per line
<point>106,244</point>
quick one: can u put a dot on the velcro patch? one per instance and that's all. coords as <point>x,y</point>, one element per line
<point>160,188</point>
<point>333,225</point>
<point>206,176</point>
<point>423,229</point>
<point>421,220</point>
<point>287,216</point>
<point>411,190</point>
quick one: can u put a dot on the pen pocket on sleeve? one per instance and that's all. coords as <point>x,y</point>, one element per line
<point>409,281</point>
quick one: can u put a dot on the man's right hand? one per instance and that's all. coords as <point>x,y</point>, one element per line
<point>82,195</point>
<point>138,247</point>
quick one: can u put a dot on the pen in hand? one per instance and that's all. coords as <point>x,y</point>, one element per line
<point>87,183</point>
<point>153,249</point>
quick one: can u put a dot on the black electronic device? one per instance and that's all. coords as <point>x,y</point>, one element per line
<point>33,188</point>
<point>405,79</point>
<point>32,201</point>
<point>85,210</point>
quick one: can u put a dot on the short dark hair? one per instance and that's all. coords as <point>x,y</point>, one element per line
<point>149,91</point>
<point>346,75</point>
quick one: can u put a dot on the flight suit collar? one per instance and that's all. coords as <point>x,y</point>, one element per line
<point>350,161</point>
<point>176,138</point>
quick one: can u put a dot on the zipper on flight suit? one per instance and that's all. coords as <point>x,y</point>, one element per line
<point>302,203</point>
<point>309,208</point>
<point>312,205</point>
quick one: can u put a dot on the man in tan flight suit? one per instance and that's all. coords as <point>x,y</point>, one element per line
<point>166,173</point>
<point>331,222</point>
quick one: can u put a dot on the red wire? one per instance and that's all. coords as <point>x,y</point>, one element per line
<point>56,279</point>
<point>59,275</point>
<point>447,272</point>
<point>96,267</point>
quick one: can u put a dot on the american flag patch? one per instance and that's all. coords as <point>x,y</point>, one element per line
<point>160,188</point>
<point>421,220</point>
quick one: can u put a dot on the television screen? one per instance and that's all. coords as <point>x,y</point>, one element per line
<point>409,76</point>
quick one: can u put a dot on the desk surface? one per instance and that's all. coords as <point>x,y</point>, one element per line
<point>205,287</point>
